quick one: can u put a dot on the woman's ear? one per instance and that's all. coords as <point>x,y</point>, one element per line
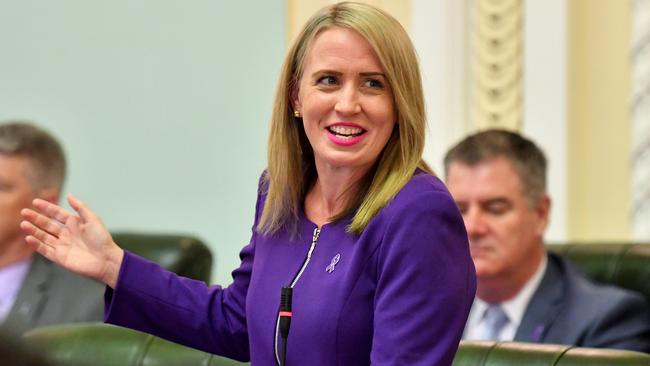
<point>295,100</point>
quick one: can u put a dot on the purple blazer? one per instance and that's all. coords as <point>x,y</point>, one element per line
<point>398,294</point>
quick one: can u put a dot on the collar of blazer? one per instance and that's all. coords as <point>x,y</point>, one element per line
<point>545,305</point>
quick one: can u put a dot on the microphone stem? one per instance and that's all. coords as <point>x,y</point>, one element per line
<point>283,357</point>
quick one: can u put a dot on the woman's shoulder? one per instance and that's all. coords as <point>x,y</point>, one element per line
<point>424,195</point>
<point>262,192</point>
<point>421,216</point>
<point>423,186</point>
<point>263,183</point>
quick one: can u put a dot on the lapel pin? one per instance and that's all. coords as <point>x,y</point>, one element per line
<point>335,260</point>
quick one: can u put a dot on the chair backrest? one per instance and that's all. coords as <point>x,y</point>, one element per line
<point>14,353</point>
<point>478,353</point>
<point>182,254</point>
<point>100,344</point>
<point>625,265</point>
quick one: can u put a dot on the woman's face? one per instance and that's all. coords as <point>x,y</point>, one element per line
<point>345,101</point>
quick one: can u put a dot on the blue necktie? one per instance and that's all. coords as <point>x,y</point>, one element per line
<point>495,319</point>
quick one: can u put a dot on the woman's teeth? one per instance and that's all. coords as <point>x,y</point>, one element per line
<point>346,131</point>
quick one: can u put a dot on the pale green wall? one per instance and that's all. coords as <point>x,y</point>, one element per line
<point>162,106</point>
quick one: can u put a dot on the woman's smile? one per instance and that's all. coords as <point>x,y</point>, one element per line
<point>345,133</point>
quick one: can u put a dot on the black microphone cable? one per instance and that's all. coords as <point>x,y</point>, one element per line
<point>285,320</point>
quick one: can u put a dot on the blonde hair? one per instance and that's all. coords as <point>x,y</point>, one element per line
<point>291,169</point>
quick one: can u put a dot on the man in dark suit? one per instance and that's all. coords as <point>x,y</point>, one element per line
<point>498,179</point>
<point>33,291</point>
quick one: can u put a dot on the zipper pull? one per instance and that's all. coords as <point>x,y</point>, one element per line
<point>316,234</point>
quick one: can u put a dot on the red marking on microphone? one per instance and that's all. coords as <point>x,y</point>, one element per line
<point>285,313</point>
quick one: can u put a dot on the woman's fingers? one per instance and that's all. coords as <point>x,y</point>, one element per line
<point>34,231</point>
<point>51,210</point>
<point>84,212</point>
<point>41,221</point>
<point>42,248</point>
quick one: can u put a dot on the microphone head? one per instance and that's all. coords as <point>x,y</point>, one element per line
<point>285,298</point>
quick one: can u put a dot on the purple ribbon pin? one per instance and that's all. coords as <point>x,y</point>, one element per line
<point>537,333</point>
<point>335,260</point>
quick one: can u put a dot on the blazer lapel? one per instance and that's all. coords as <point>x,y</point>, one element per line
<point>544,306</point>
<point>31,298</point>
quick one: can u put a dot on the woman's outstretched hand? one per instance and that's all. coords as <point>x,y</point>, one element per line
<point>77,242</point>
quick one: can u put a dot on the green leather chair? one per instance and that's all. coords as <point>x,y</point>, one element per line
<point>97,344</point>
<point>625,265</point>
<point>182,254</point>
<point>14,353</point>
<point>478,353</point>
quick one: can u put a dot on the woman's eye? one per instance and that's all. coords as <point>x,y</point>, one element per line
<point>374,83</point>
<point>327,80</point>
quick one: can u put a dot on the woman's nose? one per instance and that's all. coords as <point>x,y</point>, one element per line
<point>347,102</point>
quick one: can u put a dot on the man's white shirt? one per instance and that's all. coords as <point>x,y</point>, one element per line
<point>513,308</point>
<point>11,280</point>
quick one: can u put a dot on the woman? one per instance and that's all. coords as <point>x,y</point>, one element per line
<point>348,216</point>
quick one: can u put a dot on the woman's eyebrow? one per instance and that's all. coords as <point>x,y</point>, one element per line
<point>338,73</point>
<point>326,71</point>
<point>373,73</point>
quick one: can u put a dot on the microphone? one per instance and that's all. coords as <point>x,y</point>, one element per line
<point>285,319</point>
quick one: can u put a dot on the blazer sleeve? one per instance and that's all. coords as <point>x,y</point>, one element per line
<point>426,283</point>
<point>210,318</point>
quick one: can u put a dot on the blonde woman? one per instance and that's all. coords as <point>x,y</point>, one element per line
<point>350,223</point>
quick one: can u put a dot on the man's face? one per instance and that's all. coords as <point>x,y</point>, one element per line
<point>16,193</point>
<point>504,227</point>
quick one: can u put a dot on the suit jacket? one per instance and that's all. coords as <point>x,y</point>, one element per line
<point>569,309</point>
<point>52,295</point>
